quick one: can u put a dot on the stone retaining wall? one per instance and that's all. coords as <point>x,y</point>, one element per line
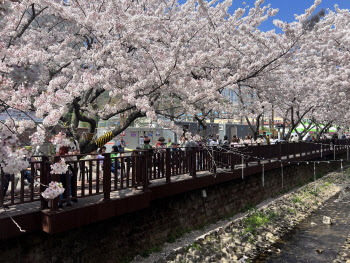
<point>119,239</point>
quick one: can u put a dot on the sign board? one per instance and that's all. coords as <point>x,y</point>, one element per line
<point>133,134</point>
<point>150,134</point>
<point>122,133</point>
<point>157,133</point>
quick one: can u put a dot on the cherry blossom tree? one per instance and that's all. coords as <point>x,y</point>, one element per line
<point>100,59</point>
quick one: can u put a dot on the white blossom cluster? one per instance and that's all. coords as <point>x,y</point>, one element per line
<point>59,167</point>
<point>54,190</point>
<point>11,158</point>
<point>61,140</point>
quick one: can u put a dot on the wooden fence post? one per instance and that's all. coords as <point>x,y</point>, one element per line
<point>133,171</point>
<point>193,162</point>
<point>146,175</point>
<point>279,150</point>
<point>107,176</point>
<point>168,165</point>
<point>44,178</point>
<point>214,159</point>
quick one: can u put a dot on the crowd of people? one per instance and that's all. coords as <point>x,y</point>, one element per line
<point>186,143</point>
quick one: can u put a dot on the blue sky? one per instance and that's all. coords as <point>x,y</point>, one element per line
<point>287,8</point>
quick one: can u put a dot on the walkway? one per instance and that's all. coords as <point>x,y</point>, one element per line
<point>146,177</point>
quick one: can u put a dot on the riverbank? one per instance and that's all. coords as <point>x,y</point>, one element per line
<point>252,234</point>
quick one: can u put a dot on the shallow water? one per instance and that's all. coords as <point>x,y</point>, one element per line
<point>301,243</point>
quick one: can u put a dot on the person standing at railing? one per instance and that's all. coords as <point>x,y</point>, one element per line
<point>308,138</point>
<point>225,145</point>
<point>247,140</point>
<point>160,150</point>
<point>225,141</point>
<point>266,139</point>
<point>7,179</point>
<point>212,141</point>
<point>169,144</point>
<point>74,149</point>
<point>190,143</point>
<point>334,139</point>
<point>28,173</point>
<point>182,142</point>
<point>260,140</point>
<point>252,141</point>
<point>175,147</point>
<point>100,156</point>
<point>146,145</point>
<point>234,141</point>
<point>273,140</point>
<point>115,165</point>
<point>191,146</point>
<point>64,151</point>
<point>121,144</point>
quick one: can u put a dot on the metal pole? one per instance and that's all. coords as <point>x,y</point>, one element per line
<point>341,165</point>
<point>242,167</point>
<point>321,150</point>
<point>282,173</point>
<point>263,175</point>
<point>315,175</point>
<point>334,150</point>
<point>347,150</point>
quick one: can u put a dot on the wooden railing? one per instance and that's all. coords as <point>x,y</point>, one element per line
<point>139,169</point>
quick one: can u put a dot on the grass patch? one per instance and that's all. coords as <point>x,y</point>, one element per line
<point>291,210</point>
<point>297,199</point>
<point>325,185</point>
<point>195,246</point>
<point>310,191</point>
<point>258,219</point>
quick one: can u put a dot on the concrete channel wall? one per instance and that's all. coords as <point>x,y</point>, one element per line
<point>120,238</point>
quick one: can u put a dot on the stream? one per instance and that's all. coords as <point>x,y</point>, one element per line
<point>311,234</point>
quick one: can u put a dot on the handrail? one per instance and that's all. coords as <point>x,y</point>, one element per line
<point>88,177</point>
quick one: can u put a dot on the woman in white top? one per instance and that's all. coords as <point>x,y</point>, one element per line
<point>259,140</point>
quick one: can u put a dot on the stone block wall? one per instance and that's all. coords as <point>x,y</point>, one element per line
<point>118,239</point>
